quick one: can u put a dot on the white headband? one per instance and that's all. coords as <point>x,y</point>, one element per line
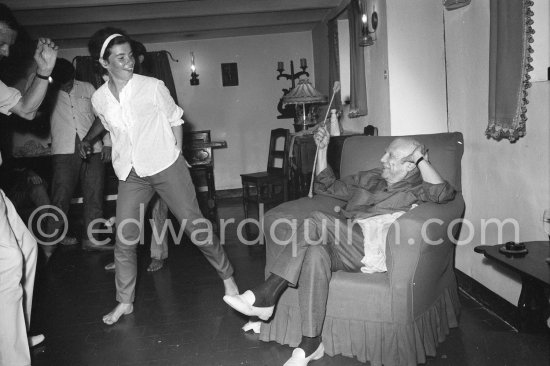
<point>106,42</point>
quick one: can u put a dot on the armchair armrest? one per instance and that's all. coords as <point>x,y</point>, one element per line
<point>420,256</point>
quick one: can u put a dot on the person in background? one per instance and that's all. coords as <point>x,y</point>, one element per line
<point>146,130</point>
<point>159,209</point>
<point>18,248</point>
<point>71,118</point>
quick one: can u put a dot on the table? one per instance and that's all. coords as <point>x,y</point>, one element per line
<point>533,306</point>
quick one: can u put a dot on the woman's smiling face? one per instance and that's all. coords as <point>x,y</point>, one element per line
<point>120,64</point>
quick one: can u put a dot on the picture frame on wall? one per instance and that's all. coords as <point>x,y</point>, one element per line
<point>230,74</point>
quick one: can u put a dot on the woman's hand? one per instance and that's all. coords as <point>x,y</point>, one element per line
<point>85,149</point>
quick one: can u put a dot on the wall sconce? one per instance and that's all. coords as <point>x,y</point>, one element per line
<point>194,76</point>
<point>366,38</point>
<point>289,111</point>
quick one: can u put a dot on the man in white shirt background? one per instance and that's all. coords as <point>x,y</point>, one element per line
<point>72,116</point>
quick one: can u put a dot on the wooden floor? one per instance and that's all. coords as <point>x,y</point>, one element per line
<point>180,318</point>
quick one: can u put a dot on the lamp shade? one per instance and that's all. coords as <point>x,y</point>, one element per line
<point>304,93</point>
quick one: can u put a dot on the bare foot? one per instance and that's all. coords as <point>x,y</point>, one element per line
<point>155,265</point>
<point>120,310</point>
<point>230,286</point>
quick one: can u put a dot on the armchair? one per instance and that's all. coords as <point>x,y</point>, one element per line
<point>392,318</point>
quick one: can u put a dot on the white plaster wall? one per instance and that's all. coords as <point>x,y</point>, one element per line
<point>416,63</point>
<point>242,115</point>
<point>541,62</point>
<point>501,180</point>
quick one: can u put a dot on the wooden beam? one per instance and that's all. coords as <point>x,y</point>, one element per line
<point>180,25</point>
<point>337,11</point>
<point>207,34</point>
<point>211,5</point>
<point>141,12</point>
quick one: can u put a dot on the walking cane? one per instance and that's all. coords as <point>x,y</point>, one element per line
<point>335,89</point>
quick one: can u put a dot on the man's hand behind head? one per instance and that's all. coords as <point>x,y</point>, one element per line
<point>419,151</point>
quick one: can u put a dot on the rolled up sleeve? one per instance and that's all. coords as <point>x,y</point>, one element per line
<point>438,193</point>
<point>9,97</point>
<point>166,104</point>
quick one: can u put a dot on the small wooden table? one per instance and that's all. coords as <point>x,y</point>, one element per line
<point>533,305</point>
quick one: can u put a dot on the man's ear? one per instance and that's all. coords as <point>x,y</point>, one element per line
<point>410,166</point>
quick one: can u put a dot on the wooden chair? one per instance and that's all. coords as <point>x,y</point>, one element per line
<point>202,173</point>
<point>269,187</point>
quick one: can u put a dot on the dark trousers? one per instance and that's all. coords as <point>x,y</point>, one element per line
<point>310,265</point>
<point>68,171</point>
<point>175,187</point>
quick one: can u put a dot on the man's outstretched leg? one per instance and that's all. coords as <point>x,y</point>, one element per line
<point>261,300</point>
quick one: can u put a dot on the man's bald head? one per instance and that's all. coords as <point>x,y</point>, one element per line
<point>396,162</point>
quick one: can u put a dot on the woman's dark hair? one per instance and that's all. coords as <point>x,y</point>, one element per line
<point>96,42</point>
<point>7,18</point>
<point>15,67</point>
<point>143,67</point>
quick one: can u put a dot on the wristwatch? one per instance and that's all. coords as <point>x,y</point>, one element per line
<point>48,78</point>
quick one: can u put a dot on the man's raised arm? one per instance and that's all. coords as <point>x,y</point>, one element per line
<point>45,56</point>
<point>420,157</point>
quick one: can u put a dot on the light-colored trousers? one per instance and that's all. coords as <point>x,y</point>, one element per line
<point>18,255</point>
<point>175,187</point>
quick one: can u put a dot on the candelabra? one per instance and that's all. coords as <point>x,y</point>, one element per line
<point>289,111</point>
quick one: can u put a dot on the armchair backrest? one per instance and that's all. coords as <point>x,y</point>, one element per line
<point>361,153</point>
<point>418,271</point>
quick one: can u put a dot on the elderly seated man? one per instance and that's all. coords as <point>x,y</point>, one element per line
<point>405,178</point>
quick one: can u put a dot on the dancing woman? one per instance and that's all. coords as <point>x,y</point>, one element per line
<point>146,132</point>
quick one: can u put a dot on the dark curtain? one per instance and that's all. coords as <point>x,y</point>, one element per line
<point>509,66</point>
<point>158,66</point>
<point>358,86</point>
<point>334,62</point>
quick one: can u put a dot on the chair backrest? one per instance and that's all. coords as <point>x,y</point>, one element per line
<point>277,161</point>
<point>446,149</point>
